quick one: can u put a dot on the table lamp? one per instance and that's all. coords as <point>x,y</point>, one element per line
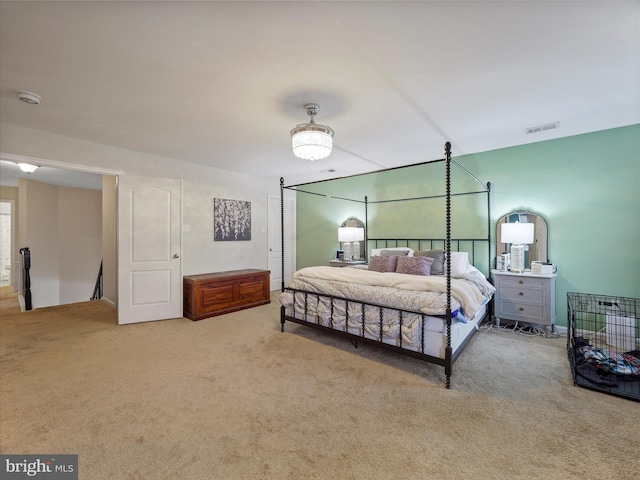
<point>347,235</point>
<point>517,234</point>
<point>356,243</point>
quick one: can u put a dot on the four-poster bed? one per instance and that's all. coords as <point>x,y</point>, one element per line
<point>427,304</point>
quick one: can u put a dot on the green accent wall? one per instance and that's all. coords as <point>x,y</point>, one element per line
<point>587,187</point>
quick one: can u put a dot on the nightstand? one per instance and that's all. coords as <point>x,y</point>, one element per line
<point>346,263</point>
<point>525,297</point>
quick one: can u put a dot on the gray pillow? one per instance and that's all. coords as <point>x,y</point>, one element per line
<point>437,267</point>
<point>394,253</point>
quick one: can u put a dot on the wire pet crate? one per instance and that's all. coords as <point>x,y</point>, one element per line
<point>603,343</point>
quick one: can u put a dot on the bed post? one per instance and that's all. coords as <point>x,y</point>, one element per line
<point>366,228</point>
<point>282,232</point>
<point>489,228</point>
<point>448,351</point>
<point>282,249</point>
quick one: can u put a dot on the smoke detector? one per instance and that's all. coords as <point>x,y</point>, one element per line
<point>29,97</point>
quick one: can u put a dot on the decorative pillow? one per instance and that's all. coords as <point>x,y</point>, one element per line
<point>383,264</point>
<point>414,265</point>
<point>437,267</point>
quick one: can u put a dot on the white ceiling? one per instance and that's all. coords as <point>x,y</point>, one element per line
<point>223,83</point>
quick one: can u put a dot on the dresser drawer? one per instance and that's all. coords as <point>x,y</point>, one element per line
<point>522,311</point>
<point>515,281</point>
<point>520,293</point>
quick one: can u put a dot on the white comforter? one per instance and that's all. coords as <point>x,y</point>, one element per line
<point>426,294</point>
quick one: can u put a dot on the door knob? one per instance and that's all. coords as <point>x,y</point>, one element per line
<point>175,255</point>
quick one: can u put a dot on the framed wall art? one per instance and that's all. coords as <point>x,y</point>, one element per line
<point>231,220</point>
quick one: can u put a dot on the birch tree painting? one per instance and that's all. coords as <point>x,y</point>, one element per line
<point>231,220</point>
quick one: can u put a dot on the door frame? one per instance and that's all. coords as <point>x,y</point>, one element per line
<point>43,162</point>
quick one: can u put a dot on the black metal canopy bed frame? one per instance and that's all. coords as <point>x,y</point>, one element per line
<point>401,329</point>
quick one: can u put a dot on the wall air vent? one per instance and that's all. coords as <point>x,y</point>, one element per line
<point>542,128</point>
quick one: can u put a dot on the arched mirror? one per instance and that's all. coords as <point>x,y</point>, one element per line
<point>356,240</point>
<point>537,250</point>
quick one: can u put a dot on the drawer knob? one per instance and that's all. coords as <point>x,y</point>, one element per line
<point>520,282</point>
<point>521,293</point>
<point>521,309</point>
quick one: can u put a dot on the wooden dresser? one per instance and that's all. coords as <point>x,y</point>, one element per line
<point>210,294</point>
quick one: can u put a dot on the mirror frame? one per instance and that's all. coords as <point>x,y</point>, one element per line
<point>540,247</point>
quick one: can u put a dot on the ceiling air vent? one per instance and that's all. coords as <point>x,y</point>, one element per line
<point>542,128</point>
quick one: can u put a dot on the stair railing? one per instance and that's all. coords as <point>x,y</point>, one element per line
<point>26,266</point>
<point>97,290</point>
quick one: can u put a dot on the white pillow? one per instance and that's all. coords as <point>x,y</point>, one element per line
<point>375,252</point>
<point>459,263</point>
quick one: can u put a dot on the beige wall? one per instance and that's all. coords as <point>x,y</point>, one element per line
<point>201,185</point>
<point>80,242</point>
<point>62,227</point>
<point>39,231</point>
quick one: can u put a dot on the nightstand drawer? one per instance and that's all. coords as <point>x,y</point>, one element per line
<point>519,293</point>
<point>522,281</point>
<point>522,311</point>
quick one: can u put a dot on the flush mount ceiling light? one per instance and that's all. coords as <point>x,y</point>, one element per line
<point>29,97</point>
<point>27,167</point>
<point>312,141</point>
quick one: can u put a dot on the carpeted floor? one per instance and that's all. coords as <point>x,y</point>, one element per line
<point>231,398</point>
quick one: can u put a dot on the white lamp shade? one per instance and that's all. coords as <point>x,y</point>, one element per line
<point>517,233</point>
<point>346,234</point>
<point>359,234</point>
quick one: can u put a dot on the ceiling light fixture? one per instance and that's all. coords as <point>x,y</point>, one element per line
<point>27,167</point>
<point>29,97</point>
<point>312,141</point>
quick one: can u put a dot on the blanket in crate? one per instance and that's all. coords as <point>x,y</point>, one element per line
<point>612,362</point>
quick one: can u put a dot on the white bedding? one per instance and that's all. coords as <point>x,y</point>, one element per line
<point>412,293</point>
<point>425,294</point>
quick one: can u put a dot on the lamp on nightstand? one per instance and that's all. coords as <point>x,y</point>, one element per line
<point>347,235</point>
<point>517,234</point>
<point>356,243</point>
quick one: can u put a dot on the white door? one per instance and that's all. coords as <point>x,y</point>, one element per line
<point>275,243</point>
<point>149,249</point>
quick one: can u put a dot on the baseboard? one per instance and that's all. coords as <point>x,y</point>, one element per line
<point>22,303</point>
<point>111,303</point>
